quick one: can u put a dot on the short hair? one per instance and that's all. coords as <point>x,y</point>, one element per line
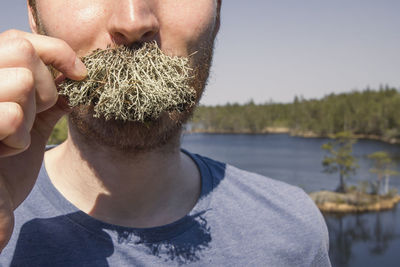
<point>32,3</point>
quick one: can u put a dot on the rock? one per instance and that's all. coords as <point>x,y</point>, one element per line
<point>328,201</point>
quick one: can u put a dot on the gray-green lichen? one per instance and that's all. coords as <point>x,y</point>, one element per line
<point>132,85</point>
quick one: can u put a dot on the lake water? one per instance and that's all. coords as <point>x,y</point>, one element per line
<point>370,239</point>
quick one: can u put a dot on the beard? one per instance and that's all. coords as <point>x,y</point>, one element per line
<point>135,127</point>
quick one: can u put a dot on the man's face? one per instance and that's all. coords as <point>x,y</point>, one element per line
<point>180,27</point>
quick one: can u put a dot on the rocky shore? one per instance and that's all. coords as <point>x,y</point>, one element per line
<point>353,202</point>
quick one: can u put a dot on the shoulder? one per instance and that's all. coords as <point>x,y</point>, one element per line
<point>252,187</point>
<point>273,210</point>
<point>288,204</point>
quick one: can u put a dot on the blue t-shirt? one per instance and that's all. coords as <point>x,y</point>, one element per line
<point>240,219</point>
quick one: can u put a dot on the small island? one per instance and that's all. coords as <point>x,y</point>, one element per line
<point>353,202</point>
<point>368,195</point>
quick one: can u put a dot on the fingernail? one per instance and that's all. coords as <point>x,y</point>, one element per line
<point>80,68</point>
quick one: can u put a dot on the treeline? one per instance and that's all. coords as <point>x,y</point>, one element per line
<point>370,112</point>
<point>367,113</point>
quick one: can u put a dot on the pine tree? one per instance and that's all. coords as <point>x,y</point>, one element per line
<point>383,164</point>
<point>340,158</point>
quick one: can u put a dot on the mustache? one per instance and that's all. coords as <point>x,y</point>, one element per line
<point>133,84</point>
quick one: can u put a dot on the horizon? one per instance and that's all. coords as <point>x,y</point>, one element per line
<point>271,101</point>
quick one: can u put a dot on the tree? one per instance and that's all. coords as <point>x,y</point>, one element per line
<point>340,158</point>
<point>383,164</point>
<point>59,133</point>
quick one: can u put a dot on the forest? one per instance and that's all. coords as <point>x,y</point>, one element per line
<point>367,113</point>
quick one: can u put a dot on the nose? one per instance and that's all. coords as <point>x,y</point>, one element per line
<point>133,21</point>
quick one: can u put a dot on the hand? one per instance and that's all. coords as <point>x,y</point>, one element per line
<point>29,109</point>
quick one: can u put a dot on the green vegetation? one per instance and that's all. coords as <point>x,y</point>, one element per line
<point>235,118</point>
<point>383,167</point>
<point>60,132</point>
<point>367,196</point>
<point>371,113</point>
<point>353,201</point>
<point>340,158</point>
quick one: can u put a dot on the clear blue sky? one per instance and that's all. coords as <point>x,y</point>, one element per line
<point>282,48</point>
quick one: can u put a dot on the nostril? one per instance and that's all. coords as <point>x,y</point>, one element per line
<point>134,23</point>
<point>148,35</point>
<point>136,45</point>
<point>118,38</point>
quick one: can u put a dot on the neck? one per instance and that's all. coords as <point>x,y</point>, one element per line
<point>144,189</point>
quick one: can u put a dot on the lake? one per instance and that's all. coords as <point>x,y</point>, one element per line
<point>369,239</point>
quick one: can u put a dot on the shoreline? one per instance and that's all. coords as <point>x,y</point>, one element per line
<point>353,202</point>
<point>285,130</point>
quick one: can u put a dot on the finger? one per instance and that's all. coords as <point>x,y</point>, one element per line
<point>46,120</point>
<point>6,151</point>
<point>6,215</point>
<point>17,85</point>
<point>53,52</point>
<point>21,53</point>
<point>13,132</point>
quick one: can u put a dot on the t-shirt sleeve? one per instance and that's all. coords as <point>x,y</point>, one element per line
<point>321,258</point>
<point>316,236</point>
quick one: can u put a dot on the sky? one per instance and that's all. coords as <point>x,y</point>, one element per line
<point>274,50</point>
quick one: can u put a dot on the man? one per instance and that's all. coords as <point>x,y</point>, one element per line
<point>124,194</point>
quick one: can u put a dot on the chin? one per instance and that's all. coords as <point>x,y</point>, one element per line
<point>127,136</point>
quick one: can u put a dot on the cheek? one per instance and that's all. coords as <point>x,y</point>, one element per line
<point>192,23</point>
<point>76,22</point>
<point>184,24</point>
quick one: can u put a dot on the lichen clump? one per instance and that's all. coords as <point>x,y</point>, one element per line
<point>132,84</point>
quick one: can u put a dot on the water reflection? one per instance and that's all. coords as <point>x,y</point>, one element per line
<point>368,235</point>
